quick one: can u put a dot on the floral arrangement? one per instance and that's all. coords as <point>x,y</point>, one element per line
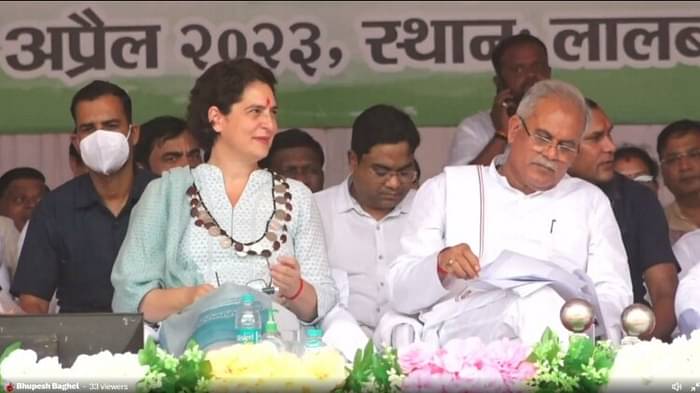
<point>373,371</point>
<point>656,366</point>
<point>166,373</point>
<point>584,367</point>
<point>23,365</point>
<point>464,365</point>
<point>262,367</point>
<point>460,365</point>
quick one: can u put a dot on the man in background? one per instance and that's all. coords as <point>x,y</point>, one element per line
<point>519,61</point>
<point>678,146</point>
<point>297,155</point>
<point>21,189</point>
<point>76,232</point>
<point>641,220</point>
<point>636,164</point>
<point>166,143</point>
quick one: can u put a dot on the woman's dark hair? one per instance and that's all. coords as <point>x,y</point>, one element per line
<point>221,85</point>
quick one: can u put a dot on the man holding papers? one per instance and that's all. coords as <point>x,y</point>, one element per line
<point>557,233</point>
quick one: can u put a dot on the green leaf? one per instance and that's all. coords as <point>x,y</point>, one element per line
<point>148,355</point>
<point>366,361</point>
<point>547,349</point>
<point>8,350</point>
<point>580,350</point>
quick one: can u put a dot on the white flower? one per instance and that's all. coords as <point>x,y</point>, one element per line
<point>22,366</point>
<point>654,365</point>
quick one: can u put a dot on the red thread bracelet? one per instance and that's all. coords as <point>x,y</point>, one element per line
<point>301,286</point>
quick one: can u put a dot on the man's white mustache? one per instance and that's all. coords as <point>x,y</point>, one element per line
<point>551,165</point>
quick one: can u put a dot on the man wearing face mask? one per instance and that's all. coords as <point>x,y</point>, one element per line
<point>76,231</point>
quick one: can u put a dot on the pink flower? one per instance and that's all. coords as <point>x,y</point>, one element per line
<point>466,365</point>
<point>415,356</point>
<point>422,380</point>
<point>510,358</point>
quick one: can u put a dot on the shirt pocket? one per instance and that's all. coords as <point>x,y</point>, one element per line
<point>568,240</point>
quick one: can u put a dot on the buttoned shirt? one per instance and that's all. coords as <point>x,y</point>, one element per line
<point>571,224</point>
<point>473,134</point>
<point>363,247</point>
<point>71,245</point>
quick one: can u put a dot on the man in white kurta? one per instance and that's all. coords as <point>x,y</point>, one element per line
<point>687,250</point>
<point>527,205</point>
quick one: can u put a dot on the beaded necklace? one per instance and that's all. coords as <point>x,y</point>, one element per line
<point>275,230</point>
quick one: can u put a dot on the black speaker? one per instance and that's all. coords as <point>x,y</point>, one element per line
<point>69,335</point>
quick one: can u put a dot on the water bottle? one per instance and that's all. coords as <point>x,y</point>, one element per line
<point>313,341</point>
<point>272,333</point>
<point>248,321</point>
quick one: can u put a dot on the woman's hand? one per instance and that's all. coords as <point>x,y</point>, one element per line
<point>286,275</point>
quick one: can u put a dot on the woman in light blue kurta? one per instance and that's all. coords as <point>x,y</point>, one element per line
<point>226,220</point>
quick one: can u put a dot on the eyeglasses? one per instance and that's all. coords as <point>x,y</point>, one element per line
<point>543,142</point>
<point>674,160</point>
<point>408,175</point>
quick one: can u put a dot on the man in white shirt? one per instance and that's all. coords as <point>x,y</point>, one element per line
<point>464,218</point>
<point>519,61</point>
<point>687,250</point>
<point>363,216</point>
<point>688,301</point>
<point>8,251</point>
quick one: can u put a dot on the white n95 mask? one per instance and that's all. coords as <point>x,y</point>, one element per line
<point>105,151</point>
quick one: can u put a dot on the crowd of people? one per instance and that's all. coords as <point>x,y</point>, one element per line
<point>160,214</point>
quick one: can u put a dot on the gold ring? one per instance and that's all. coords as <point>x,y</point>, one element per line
<point>450,262</point>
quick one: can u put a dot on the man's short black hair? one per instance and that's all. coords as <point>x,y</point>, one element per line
<point>97,89</point>
<point>509,42</point>
<point>154,131</point>
<point>675,129</point>
<point>627,152</point>
<point>293,137</point>
<point>17,174</point>
<point>382,124</point>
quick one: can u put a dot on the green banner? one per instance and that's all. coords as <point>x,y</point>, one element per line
<point>639,60</point>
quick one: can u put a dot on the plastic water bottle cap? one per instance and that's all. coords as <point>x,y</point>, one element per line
<point>271,324</point>
<point>314,333</point>
<point>247,298</point>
